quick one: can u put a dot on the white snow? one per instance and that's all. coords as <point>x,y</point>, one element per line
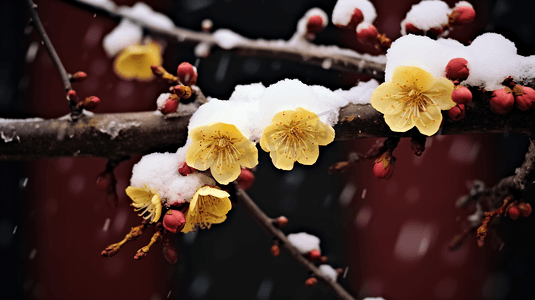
<point>329,271</point>
<point>227,39</point>
<point>160,171</point>
<point>122,36</point>
<point>463,4</point>
<point>106,4</point>
<point>427,14</point>
<point>251,107</point>
<point>113,126</point>
<point>144,14</point>
<point>343,10</point>
<point>304,242</point>
<point>491,58</point>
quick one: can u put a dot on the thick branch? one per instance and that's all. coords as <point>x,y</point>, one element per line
<point>327,56</point>
<point>116,135</point>
<point>267,224</point>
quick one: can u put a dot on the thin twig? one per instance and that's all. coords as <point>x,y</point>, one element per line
<point>305,52</point>
<point>65,78</point>
<point>267,224</point>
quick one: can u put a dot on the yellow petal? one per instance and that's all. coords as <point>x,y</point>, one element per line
<point>407,77</point>
<point>139,196</point>
<point>134,61</point>
<point>207,190</point>
<point>382,99</point>
<point>281,160</point>
<point>399,122</point>
<point>429,122</point>
<point>440,93</point>
<point>225,175</point>
<point>158,208</point>
<point>309,156</point>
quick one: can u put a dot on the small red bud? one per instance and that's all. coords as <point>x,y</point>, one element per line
<point>79,76</point>
<point>457,69</point>
<point>383,168</point>
<point>410,28</point>
<point>282,221</point>
<point>367,34</point>
<point>461,95</point>
<point>457,113</point>
<point>502,101</point>
<point>174,220</point>
<point>513,213</point>
<point>182,91</point>
<point>71,95</point>
<point>525,209</point>
<point>462,15</point>
<point>157,70</point>
<point>187,73</point>
<point>312,281</point>
<point>170,105</point>
<point>356,18</point>
<point>275,250</point>
<point>524,97</point>
<point>184,169</point>
<point>245,180</point>
<point>314,254</point>
<point>315,24</point>
<point>139,255</point>
<point>91,102</point>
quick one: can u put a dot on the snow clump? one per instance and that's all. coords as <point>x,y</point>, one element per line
<point>344,9</point>
<point>328,271</point>
<point>304,242</point>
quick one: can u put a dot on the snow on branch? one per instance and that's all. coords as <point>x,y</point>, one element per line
<point>295,49</point>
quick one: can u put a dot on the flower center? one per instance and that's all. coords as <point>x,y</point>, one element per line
<point>292,138</point>
<point>414,103</point>
<point>224,150</point>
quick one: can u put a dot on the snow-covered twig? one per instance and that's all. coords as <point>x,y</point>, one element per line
<point>336,58</point>
<point>267,224</point>
<point>65,77</point>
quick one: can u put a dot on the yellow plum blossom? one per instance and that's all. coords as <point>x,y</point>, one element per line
<point>134,61</point>
<point>294,135</point>
<point>222,148</point>
<point>414,97</point>
<point>147,199</point>
<point>208,206</point>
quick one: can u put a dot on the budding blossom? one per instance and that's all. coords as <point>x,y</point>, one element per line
<point>187,74</point>
<point>457,69</point>
<point>502,101</point>
<point>383,167</point>
<point>524,97</point>
<point>174,220</point>
<point>350,13</point>
<point>167,103</point>
<point>461,95</point>
<point>457,112</point>
<point>463,13</point>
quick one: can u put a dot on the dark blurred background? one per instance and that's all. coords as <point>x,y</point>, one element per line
<point>391,234</point>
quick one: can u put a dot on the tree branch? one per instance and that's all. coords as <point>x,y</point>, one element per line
<point>336,58</point>
<point>267,224</point>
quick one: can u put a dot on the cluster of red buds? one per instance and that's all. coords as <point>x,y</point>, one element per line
<point>383,167</point>
<point>368,34</point>
<point>516,210</point>
<point>315,23</point>
<point>90,103</point>
<point>503,100</point>
<point>460,15</point>
<point>457,71</point>
<point>181,85</point>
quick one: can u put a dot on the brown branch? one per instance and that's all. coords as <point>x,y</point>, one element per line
<point>65,77</point>
<point>116,135</point>
<point>514,184</point>
<point>338,59</point>
<point>267,224</point>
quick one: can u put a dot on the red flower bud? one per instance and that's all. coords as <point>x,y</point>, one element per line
<point>187,73</point>
<point>312,281</point>
<point>315,24</point>
<point>502,101</point>
<point>461,95</point>
<point>356,18</point>
<point>170,105</point>
<point>457,112</point>
<point>282,221</point>
<point>314,254</point>
<point>524,97</point>
<point>410,28</point>
<point>169,251</point>
<point>367,35</point>
<point>513,213</point>
<point>71,95</point>
<point>245,180</point>
<point>174,220</point>
<point>383,168</point>
<point>184,169</point>
<point>140,255</point>
<point>157,70</point>
<point>182,91</point>
<point>275,250</point>
<point>91,102</point>
<point>525,209</point>
<point>457,69</point>
<point>462,15</point>
<point>79,76</point>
